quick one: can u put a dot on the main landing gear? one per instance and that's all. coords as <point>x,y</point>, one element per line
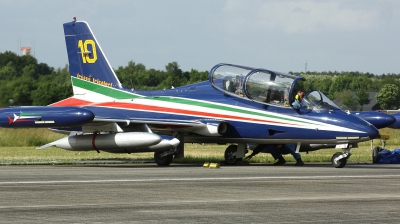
<point>164,158</point>
<point>339,159</point>
<point>230,155</point>
<point>234,153</point>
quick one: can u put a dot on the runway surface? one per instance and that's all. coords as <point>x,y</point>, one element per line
<point>315,193</point>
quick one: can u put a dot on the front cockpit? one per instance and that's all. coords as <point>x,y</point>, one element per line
<point>267,87</point>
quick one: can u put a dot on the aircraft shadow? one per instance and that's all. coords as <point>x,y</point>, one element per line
<point>137,163</point>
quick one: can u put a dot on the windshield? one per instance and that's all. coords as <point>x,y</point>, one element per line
<point>316,101</point>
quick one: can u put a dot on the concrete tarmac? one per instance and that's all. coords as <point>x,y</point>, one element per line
<point>146,193</point>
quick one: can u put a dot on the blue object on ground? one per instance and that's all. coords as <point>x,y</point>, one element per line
<point>387,157</point>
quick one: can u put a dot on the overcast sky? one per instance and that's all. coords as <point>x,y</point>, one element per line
<point>281,35</point>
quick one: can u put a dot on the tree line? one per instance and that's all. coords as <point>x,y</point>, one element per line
<point>24,81</point>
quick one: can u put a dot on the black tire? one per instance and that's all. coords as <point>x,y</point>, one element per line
<point>231,159</point>
<point>339,164</point>
<point>162,161</point>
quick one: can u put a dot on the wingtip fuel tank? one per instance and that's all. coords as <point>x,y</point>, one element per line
<point>44,117</point>
<point>376,118</point>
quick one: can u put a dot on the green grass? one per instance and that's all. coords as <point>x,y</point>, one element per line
<point>26,137</point>
<point>18,146</point>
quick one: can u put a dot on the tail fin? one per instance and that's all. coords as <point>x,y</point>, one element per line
<point>87,61</point>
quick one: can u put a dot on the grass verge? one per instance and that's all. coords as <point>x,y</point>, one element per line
<point>18,147</point>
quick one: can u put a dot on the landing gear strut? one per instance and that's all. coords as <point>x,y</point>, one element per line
<point>339,159</point>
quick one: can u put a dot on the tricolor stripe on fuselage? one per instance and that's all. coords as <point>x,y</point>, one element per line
<point>107,97</point>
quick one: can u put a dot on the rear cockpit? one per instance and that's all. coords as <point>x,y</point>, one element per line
<point>259,85</point>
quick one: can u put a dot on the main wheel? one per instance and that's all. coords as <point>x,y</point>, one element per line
<point>230,157</point>
<point>162,161</point>
<point>340,163</point>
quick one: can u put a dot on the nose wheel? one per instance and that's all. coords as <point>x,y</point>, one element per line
<point>339,159</point>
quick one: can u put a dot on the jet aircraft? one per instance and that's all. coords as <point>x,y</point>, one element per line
<point>238,105</point>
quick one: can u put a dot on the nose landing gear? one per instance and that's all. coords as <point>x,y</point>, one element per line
<point>339,159</point>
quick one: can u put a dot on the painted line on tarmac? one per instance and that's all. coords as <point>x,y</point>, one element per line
<point>352,197</point>
<point>198,179</point>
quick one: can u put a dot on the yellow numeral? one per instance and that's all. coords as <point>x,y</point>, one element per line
<point>87,55</point>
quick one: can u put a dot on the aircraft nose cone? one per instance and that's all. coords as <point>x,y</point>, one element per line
<point>373,132</point>
<point>396,124</point>
<point>383,121</point>
<point>378,119</point>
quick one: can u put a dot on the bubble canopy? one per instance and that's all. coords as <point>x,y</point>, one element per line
<point>264,86</point>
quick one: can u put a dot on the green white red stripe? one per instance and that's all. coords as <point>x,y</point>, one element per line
<point>92,94</point>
